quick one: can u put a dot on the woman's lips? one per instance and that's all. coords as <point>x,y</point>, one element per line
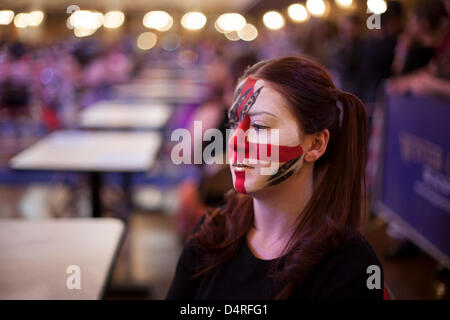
<point>241,167</point>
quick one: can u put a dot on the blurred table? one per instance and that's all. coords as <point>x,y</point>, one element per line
<point>173,73</point>
<point>93,152</point>
<point>168,92</point>
<point>116,114</point>
<point>179,81</point>
<point>35,255</point>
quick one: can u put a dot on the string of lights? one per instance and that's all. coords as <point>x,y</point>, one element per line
<point>233,25</point>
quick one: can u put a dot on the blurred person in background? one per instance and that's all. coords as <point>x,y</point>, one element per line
<point>434,78</point>
<point>276,43</point>
<point>102,67</point>
<point>422,35</point>
<point>319,41</point>
<point>17,77</point>
<point>58,76</point>
<point>346,61</point>
<point>379,49</point>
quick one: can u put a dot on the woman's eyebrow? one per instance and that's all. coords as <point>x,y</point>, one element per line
<point>261,112</point>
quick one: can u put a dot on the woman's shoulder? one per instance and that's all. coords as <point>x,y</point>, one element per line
<point>357,249</point>
<point>352,271</point>
<point>355,256</point>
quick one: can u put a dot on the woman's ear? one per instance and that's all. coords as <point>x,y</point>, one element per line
<point>317,144</point>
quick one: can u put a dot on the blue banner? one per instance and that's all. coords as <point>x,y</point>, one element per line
<point>416,169</point>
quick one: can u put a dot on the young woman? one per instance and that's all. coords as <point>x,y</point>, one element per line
<point>290,233</point>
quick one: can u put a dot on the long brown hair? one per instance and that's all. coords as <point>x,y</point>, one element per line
<point>333,214</point>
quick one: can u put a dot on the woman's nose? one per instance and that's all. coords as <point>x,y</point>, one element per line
<point>239,142</point>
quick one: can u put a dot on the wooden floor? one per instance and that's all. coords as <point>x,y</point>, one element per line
<point>147,260</point>
<point>413,277</point>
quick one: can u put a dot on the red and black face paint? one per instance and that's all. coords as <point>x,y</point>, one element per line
<point>245,97</point>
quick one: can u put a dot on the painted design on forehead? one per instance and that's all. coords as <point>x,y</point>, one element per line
<point>245,98</point>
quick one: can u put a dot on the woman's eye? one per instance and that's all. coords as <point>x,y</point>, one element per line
<point>258,127</point>
<point>232,125</point>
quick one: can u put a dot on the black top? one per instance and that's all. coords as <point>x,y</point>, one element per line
<point>341,275</point>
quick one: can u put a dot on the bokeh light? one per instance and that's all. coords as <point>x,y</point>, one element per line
<point>273,20</point>
<point>158,20</point>
<point>193,20</point>
<point>187,58</point>
<point>232,35</point>
<point>113,19</point>
<point>248,32</point>
<point>85,19</point>
<point>231,22</point>
<point>377,6</point>
<point>316,7</point>
<point>171,42</point>
<point>6,16</point>
<point>36,18</point>
<point>81,32</point>
<point>297,12</point>
<point>344,3</point>
<point>22,20</point>
<point>218,28</point>
<point>146,40</point>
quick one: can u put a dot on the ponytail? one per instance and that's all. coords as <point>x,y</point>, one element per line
<point>349,158</point>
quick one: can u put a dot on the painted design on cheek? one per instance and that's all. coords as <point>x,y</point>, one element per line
<point>285,171</point>
<point>285,153</point>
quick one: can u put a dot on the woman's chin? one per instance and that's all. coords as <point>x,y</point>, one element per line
<point>253,189</point>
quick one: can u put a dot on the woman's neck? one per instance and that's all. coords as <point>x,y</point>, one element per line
<point>276,209</point>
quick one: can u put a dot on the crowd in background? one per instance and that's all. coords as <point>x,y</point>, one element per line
<point>55,81</point>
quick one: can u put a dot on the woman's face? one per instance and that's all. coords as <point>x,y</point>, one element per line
<point>265,148</point>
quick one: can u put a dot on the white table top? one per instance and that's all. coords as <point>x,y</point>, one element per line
<point>180,81</point>
<point>119,114</point>
<point>164,91</point>
<point>191,73</point>
<point>35,255</point>
<point>115,151</point>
